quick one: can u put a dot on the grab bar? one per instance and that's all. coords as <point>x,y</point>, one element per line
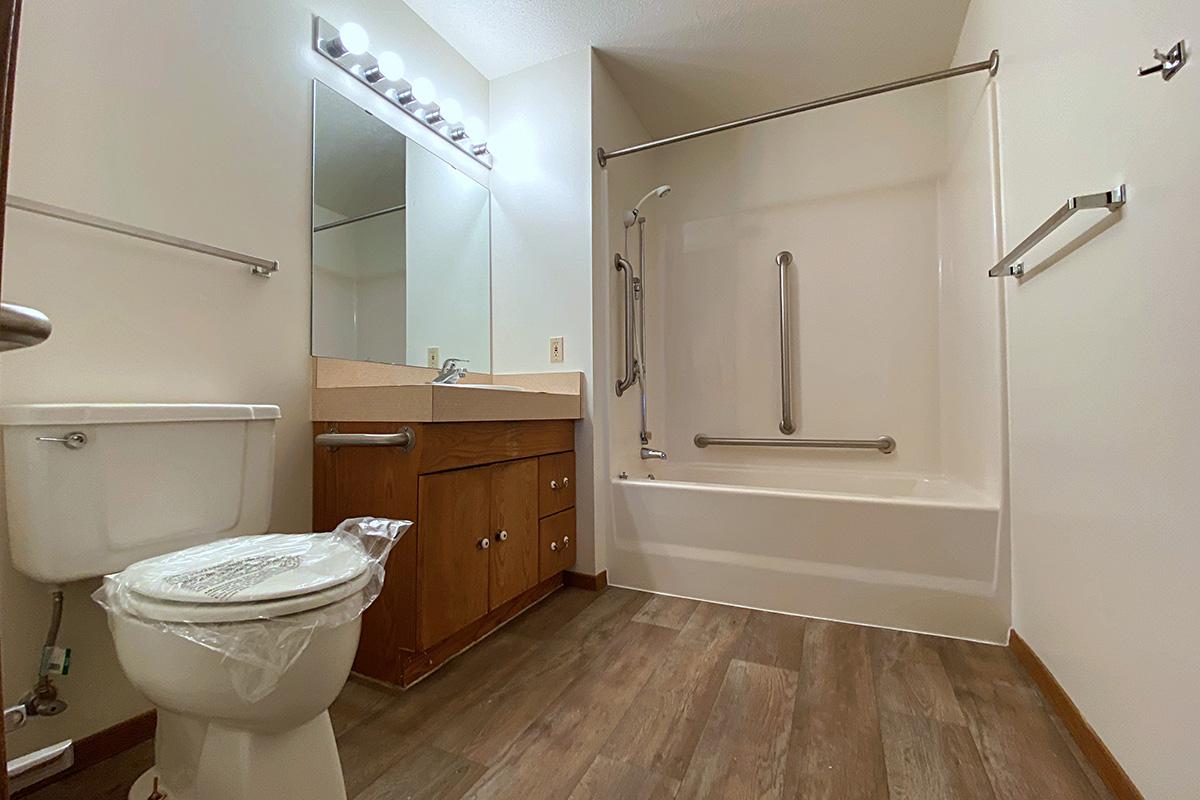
<point>21,326</point>
<point>258,266</point>
<point>630,367</point>
<point>1011,264</point>
<point>405,439</point>
<point>786,425</point>
<point>884,444</point>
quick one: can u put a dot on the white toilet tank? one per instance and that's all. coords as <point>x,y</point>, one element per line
<point>92,488</point>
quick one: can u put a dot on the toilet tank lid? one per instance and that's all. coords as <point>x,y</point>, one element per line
<point>117,413</point>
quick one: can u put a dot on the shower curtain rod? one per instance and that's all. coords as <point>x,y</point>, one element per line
<point>992,65</point>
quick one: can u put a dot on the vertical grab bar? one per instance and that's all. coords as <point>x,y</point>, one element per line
<point>786,425</point>
<point>630,370</point>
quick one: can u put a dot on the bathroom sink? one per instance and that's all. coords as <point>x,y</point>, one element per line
<point>481,386</point>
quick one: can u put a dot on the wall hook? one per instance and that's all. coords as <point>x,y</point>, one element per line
<point>1169,62</point>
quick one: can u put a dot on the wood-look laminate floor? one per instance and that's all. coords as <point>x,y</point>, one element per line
<point>629,696</point>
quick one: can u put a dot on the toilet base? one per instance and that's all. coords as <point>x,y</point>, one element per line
<point>202,759</point>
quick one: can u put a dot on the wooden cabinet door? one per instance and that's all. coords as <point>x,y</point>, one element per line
<point>556,483</point>
<point>514,566</point>
<point>557,543</point>
<point>453,559</point>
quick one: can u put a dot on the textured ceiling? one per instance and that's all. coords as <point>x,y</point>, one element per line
<point>689,63</point>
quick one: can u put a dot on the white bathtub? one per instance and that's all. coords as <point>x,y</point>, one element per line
<point>903,552</point>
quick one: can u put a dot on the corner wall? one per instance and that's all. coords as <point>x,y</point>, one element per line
<point>542,241</point>
<point>1104,353</point>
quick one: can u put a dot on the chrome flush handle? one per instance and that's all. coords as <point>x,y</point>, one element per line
<point>75,440</point>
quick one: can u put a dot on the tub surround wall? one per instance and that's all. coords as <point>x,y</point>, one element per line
<point>213,143</point>
<point>1104,350</point>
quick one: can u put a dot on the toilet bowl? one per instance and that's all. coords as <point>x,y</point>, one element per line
<point>208,634</point>
<point>241,639</point>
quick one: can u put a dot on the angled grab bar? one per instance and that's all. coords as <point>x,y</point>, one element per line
<point>1011,264</point>
<point>258,266</point>
<point>786,425</point>
<point>884,444</point>
<point>630,367</point>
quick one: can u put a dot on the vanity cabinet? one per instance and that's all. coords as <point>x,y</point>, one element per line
<point>493,507</point>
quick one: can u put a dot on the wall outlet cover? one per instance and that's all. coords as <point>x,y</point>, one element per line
<point>556,349</point>
<point>434,357</point>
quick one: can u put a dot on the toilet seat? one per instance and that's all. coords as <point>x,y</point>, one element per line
<point>150,608</point>
<point>245,578</point>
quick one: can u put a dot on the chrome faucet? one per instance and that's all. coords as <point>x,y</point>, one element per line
<point>649,453</point>
<point>452,371</point>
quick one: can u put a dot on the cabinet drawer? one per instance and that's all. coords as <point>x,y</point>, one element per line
<point>556,539</point>
<point>556,483</point>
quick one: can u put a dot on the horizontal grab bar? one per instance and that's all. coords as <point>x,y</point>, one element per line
<point>405,439</point>
<point>884,444</point>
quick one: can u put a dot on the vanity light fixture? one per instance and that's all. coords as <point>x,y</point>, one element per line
<point>389,66</point>
<point>351,39</point>
<point>347,47</point>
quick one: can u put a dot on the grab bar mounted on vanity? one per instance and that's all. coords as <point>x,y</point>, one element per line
<point>405,439</point>
<point>630,378</point>
<point>884,444</point>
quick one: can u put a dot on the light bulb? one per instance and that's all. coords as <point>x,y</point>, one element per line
<point>475,128</point>
<point>354,38</point>
<point>423,90</point>
<point>452,111</point>
<point>391,65</point>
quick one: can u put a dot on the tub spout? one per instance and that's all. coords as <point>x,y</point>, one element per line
<point>649,453</point>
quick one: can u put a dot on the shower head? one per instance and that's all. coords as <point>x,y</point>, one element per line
<point>632,216</point>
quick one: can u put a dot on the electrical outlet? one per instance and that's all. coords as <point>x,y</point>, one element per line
<point>556,349</point>
<point>434,357</point>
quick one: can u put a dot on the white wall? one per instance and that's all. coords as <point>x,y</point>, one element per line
<point>212,142</point>
<point>1104,353</point>
<point>542,241</point>
<point>614,123</point>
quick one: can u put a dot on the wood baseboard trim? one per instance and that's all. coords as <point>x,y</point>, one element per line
<point>91,750</point>
<point>582,580</point>
<point>1089,742</point>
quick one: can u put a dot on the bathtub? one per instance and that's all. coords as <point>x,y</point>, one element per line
<point>907,552</point>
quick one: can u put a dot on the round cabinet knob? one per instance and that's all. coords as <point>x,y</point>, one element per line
<point>565,482</point>
<point>566,541</point>
<point>554,485</point>
<point>502,536</point>
<point>485,543</point>
<point>554,546</point>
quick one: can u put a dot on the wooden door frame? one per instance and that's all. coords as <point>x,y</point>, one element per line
<point>10,21</point>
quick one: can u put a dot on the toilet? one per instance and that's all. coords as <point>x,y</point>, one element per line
<point>138,491</point>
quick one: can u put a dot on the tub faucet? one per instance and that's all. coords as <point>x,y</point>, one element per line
<point>452,371</point>
<point>649,453</point>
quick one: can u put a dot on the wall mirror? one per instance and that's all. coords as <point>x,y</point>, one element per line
<point>401,243</point>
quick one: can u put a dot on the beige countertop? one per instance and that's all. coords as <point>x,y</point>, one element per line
<point>346,391</point>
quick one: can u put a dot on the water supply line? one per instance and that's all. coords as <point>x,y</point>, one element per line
<point>43,700</point>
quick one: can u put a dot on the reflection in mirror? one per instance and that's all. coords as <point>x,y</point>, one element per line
<point>400,247</point>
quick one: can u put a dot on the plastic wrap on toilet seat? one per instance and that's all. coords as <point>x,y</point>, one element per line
<point>257,600</point>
